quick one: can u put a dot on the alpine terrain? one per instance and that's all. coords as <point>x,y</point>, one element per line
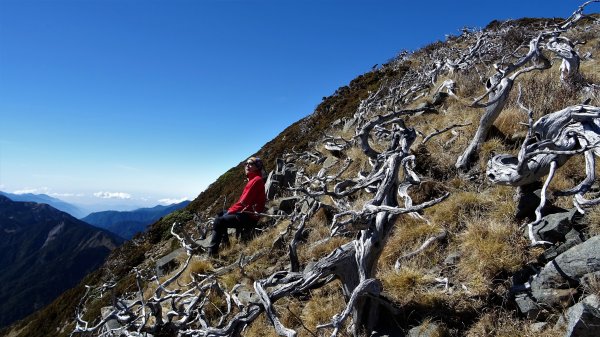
<point>450,192</point>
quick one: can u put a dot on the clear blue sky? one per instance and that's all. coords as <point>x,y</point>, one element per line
<point>151,100</point>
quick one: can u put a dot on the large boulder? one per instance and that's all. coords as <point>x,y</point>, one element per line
<point>582,319</point>
<point>555,284</point>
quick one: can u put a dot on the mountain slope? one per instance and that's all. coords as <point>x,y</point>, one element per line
<point>461,282</point>
<point>128,223</point>
<point>45,199</point>
<point>43,252</point>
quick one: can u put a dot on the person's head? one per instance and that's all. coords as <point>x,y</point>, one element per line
<point>253,164</point>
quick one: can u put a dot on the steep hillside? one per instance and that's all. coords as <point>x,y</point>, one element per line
<point>43,253</point>
<point>128,223</point>
<point>425,198</point>
<point>44,199</point>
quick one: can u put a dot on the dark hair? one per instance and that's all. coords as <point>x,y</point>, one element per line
<point>257,162</point>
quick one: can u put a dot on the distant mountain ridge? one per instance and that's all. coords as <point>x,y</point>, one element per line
<point>128,223</point>
<point>45,199</point>
<point>43,252</point>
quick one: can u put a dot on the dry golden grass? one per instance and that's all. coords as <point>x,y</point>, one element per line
<point>489,248</point>
<point>510,122</point>
<point>360,162</point>
<point>458,208</point>
<point>325,302</point>
<point>490,148</point>
<point>543,92</point>
<point>198,265</point>
<point>405,285</point>
<point>260,327</point>
<point>500,323</point>
<point>408,235</point>
<point>592,219</point>
<point>498,203</point>
<point>316,251</point>
<point>592,286</point>
<point>266,238</point>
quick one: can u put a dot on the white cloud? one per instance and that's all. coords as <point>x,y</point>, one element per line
<point>42,190</point>
<point>58,195</point>
<point>168,201</point>
<point>112,195</point>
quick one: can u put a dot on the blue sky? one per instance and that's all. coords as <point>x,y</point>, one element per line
<point>145,101</point>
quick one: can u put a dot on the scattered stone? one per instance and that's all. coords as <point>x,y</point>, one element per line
<point>439,98</point>
<point>169,262</point>
<point>554,227</point>
<point>572,238</point>
<point>427,329</point>
<point>452,259</point>
<point>538,326</point>
<point>555,284</point>
<point>283,176</point>
<point>582,319</point>
<point>528,306</point>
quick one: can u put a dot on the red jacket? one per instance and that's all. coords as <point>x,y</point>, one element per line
<point>253,197</point>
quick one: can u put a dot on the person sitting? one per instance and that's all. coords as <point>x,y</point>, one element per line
<point>242,214</point>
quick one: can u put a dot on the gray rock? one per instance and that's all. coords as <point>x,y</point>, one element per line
<point>554,285</point>
<point>528,306</point>
<point>538,326</point>
<point>554,227</point>
<point>582,319</point>
<point>452,259</point>
<point>307,204</point>
<point>428,329</point>
<point>168,262</point>
<point>439,98</point>
<point>573,238</point>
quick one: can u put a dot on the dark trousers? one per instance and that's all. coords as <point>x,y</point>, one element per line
<point>239,221</point>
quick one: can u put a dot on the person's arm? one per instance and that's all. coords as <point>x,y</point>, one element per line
<point>252,197</point>
<point>249,195</point>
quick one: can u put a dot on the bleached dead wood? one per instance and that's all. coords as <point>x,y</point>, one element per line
<point>550,142</point>
<point>500,84</point>
<point>498,87</point>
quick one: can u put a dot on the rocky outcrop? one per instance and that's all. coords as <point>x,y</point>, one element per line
<point>582,319</point>
<point>556,285</point>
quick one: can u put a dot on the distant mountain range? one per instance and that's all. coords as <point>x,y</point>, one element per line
<point>127,224</point>
<point>45,199</point>
<point>43,252</point>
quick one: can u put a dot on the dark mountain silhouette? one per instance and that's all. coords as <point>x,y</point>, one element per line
<point>44,252</point>
<point>128,223</point>
<point>45,199</point>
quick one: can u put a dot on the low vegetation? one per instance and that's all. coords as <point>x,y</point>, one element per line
<point>448,265</point>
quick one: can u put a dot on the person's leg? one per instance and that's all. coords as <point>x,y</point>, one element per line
<point>246,226</point>
<point>219,230</point>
